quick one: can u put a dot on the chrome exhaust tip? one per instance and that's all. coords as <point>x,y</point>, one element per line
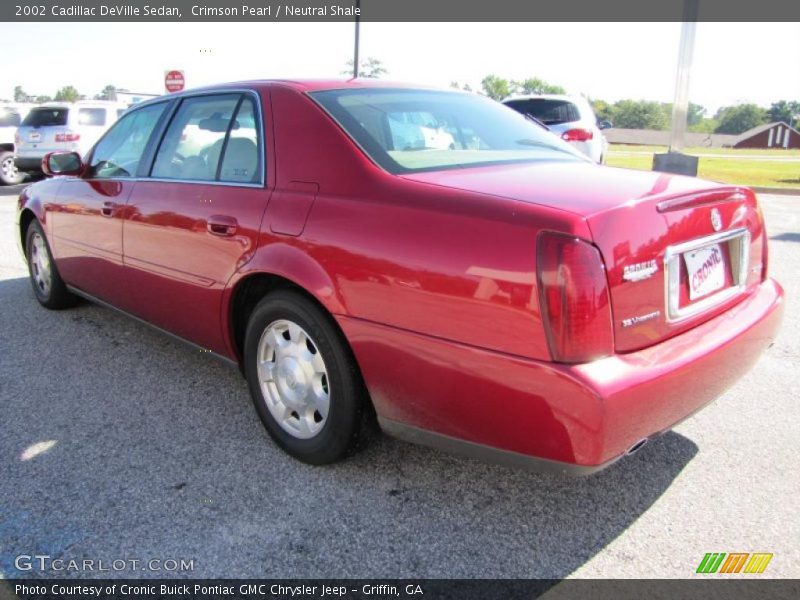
<point>637,446</point>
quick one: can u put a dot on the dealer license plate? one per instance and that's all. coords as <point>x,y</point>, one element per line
<point>706,270</point>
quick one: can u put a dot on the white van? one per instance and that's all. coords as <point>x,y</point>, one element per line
<point>62,127</point>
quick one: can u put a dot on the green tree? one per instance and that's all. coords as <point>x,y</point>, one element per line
<point>43,99</point>
<point>639,114</point>
<point>602,110</point>
<point>495,87</point>
<point>740,118</point>
<point>704,126</point>
<point>457,86</point>
<point>19,94</point>
<point>783,111</point>
<point>108,93</point>
<point>534,85</point>
<point>67,94</point>
<point>370,68</point>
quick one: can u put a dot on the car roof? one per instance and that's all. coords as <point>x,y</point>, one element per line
<point>317,85</point>
<point>565,97</point>
<point>302,85</point>
<point>80,104</point>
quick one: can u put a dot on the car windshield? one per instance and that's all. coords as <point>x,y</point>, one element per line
<point>45,117</point>
<point>548,111</point>
<point>418,130</point>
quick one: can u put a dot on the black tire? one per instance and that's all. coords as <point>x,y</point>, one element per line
<point>55,296</point>
<point>347,419</point>
<point>9,174</point>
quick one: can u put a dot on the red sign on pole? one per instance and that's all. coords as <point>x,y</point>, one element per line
<point>174,81</point>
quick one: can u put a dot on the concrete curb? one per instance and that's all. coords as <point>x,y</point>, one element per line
<point>775,190</point>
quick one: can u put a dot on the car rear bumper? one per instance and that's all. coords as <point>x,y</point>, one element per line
<point>570,418</point>
<point>29,163</point>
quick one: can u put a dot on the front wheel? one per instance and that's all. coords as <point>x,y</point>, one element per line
<point>9,174</point>
<point>49,288</point>
<point>303,379</point>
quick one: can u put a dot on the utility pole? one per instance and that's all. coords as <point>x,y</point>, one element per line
<point>680,108</point>
<point>675,161</point>
<point>355,49</point>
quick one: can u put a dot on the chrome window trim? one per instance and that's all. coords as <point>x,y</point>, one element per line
<point>162,180</point>
<point>672,264</point>
<point>186,95</point>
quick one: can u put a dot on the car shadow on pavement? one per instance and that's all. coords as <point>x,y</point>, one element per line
<point>117,442</point>
<point>787,236</point>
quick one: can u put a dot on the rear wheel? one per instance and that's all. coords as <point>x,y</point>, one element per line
<point>9,174</point>
<point>303,379</point>
<point>48,287</point>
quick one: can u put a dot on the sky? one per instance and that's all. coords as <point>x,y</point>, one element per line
<point>733,62</point>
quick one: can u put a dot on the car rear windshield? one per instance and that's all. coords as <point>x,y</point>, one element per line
<point>407,130</point>
<point>46,117</point>
<point>548,111</point>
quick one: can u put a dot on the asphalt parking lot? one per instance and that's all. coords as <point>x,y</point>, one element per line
<point>118,443</point>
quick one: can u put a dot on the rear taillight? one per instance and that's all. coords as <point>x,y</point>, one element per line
<point>68,137</point>
<point>577,135</point>
<point>573,292</point>
<point>17,139</point>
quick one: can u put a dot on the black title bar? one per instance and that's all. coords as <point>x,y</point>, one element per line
<point>395,10</point>
<point>706,588</point>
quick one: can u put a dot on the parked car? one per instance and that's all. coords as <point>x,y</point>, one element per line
<point>11,116</point>
<point>506,298</point>
<point>62,127</point>
<point>570,117</point>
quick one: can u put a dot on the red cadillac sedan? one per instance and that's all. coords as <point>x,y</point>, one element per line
<point>428,257</point>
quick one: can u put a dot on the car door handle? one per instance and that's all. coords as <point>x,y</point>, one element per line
<point>108,209</point>
<point>221,225</point>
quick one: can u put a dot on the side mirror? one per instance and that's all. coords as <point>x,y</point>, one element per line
<point>605,125</point>
<point>62,163</point>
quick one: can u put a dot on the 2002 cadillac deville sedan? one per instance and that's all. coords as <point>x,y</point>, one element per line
<point>431,256</point>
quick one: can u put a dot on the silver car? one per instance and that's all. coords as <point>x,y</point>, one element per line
<point>569,117</point>
<point>62,127</point>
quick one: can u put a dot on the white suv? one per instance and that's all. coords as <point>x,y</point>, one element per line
<point>569,117</point>
<point>62,127</point>
<point>11,116</point>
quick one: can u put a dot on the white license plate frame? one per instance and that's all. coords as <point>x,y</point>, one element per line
<point>738,241</point>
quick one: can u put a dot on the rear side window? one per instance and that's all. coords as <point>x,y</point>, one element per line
<point>548,111</point>
<point>211,138</point>
<point>240,159</point>
<point>46,117</point>
<point>9,117</point>
<point>93,117</point>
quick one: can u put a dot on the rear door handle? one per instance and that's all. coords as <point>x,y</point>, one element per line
<point>222,225</point>
<point>108,209</point>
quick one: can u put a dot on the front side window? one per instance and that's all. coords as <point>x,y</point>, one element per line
<point>93,117</point>
<point>211,138</point>
<point>119,152</point>
<point>419,130</point>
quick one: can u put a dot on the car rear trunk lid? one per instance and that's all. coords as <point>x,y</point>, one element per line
<point>674,261</point>
<point>645,224</point>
